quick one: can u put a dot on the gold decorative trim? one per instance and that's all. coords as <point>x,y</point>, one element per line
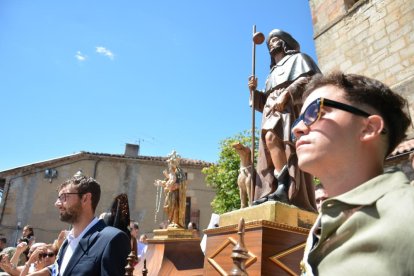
<point>252,258</point>
<point>173,240</point>
<point>282,254</point>
<point>258,223</point>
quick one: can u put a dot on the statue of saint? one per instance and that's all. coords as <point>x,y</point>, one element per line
<point>278,177</point>
<point>175,188</point>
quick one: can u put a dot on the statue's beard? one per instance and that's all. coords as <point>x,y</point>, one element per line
<point>278,48</point>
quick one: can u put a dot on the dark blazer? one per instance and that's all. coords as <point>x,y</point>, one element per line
<point>103,250</point>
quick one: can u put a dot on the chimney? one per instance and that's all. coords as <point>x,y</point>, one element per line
<point>131,150</point>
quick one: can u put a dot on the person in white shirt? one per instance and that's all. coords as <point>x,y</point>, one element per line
<point>91,247</point>
<point>141,247</point>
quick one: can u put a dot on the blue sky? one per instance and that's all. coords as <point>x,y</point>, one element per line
<point>94,75</point>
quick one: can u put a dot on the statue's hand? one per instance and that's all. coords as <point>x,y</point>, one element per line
<point>281,101</point>
<point>252,83</point>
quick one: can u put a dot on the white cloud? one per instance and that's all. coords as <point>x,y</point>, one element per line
<point>106,52</point>
<point>79,56</point>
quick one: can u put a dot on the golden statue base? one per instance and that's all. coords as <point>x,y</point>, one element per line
<point>275,236</point>
<point>172,251</point>
<point>172,233</point>
<point>271,211</point>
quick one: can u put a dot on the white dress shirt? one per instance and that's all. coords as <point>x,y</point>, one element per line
<point>72,244</point>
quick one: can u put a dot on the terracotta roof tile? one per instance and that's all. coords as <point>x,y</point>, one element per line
<point>185,161</point>
<point>42,164</point>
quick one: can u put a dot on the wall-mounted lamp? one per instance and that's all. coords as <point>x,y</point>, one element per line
<point>51,173</point>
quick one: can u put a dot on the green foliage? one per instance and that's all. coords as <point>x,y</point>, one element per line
<point>223,175</point>
<point>316,181</point>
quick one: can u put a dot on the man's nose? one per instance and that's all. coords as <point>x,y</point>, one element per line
<point>299,129</point>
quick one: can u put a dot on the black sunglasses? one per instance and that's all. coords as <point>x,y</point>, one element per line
<point>44,255</point>
<point>313,112</point>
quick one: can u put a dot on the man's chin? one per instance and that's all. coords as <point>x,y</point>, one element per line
<point>305,165</point>
<point>66,218</point>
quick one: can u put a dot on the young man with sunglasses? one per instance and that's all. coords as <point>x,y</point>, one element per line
<point>278,178</point>
<point>348,125</point>
<point>91,247</point>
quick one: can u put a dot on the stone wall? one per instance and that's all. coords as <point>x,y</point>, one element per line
<point>369,37</point>
<point>30,197</point>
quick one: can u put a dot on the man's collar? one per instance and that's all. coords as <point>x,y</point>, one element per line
<point>370,191</point>
<point>71,237</point>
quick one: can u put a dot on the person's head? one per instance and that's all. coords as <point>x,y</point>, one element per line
<point>134,229</point>
<point>320,196</point>
<point>77,195</point>
<point>143,238</point>
<point>3,243</point>
<point>281,41</point>
<point>28,231</point>
<point>34,247</point>
<point>48,254</point>
<point>359,117</point>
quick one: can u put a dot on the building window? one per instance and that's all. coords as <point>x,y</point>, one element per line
<point>187,210</point>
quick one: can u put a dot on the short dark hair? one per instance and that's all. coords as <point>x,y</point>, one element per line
<point>83,185</point>
<point>135,225</point>
<point>4,240</point>
<point>31,231</point>
<point>367,91</point>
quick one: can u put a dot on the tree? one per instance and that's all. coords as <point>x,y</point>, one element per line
<point>223,175</point>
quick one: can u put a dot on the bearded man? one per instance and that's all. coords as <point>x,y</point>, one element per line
<point>91,247</point>
<point>278,177</point>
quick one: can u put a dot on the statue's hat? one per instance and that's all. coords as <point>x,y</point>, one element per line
<point>286,37</point>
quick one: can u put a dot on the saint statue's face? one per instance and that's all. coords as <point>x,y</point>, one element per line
<point>275,45</point>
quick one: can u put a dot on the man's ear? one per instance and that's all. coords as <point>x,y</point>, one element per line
<point>373,127</point>
<point>86,197</point>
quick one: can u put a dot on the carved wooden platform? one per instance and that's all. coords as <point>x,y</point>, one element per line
<point>275,245</point>
<point>172,256</point>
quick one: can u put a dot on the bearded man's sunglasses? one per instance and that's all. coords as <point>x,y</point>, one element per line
<point>313,112</point>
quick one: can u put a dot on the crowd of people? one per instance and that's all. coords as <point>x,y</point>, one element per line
<point>346,127</point>
<point>92,247</point>
<point>28,256</point>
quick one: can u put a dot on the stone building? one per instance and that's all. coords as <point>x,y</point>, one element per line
<point>29,192</point>
<point>373,38</point>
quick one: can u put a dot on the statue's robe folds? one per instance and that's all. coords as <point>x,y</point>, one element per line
<point>293,72</point>
<point>175,200</point>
